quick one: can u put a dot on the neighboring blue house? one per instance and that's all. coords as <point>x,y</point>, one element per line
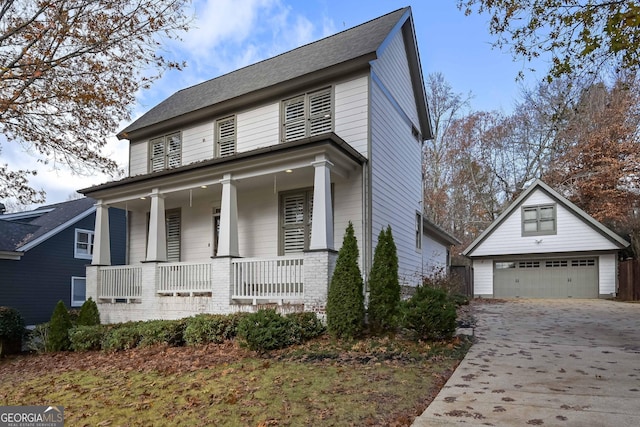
<point>44,252</point>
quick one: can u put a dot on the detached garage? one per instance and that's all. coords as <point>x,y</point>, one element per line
<point>543,246</point>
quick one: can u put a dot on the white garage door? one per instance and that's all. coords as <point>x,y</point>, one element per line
<point>546,278</point>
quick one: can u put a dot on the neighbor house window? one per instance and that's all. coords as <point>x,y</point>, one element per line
<point>78,291</point>
<point>307,115</point>
<point>296,211</point>
<point>537,220</point>
<point>165,152</point>
<point>226,136</point>
<point>83,244</point>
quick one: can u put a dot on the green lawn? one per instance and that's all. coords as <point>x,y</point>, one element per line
<point>323,383</point>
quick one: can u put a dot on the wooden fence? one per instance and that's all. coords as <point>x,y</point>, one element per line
<point>463,275</point>
<point>629,280</point>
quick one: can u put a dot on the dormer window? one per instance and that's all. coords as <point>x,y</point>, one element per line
<point>165,152</point>
<point>307,115</point>
<point>226,136</point>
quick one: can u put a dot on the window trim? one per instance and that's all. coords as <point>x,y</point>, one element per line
<point>77,303</point>
<point>538,220</point>
<point>418,230</point>
<point>307,118</point>
<point>80,255</point>
<point>165,151</point>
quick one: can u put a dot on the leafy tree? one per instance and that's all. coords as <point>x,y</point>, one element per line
<point>345,302</point>
<point>599,168</point>
<point>579,36</point>
<point>384,286</point>
<point>59,326</point>
<point>445,107</point>
<point>89,314</point>
<point>69,73</point>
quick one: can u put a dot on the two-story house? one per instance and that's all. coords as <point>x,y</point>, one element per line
<point>44,253</point>
<point>240,188</point>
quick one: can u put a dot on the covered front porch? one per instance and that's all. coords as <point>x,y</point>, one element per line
<point>228,234</point>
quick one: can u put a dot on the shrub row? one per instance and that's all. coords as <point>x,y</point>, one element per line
<point>261,331</point>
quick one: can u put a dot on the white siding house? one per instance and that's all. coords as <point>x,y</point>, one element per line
<point>240,188</point>
<point>543,246</point>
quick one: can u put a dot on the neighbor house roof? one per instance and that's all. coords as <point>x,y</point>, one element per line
<point>439,234</point>
<point>345,51</point>
<point>21,231</point>
<point>539,185</point>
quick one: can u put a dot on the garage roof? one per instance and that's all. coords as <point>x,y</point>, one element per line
<point>538,184</point>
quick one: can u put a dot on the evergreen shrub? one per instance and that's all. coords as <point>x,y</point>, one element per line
<point>345,302</point>
<point>305,326</point>
<point>87,337</point>
<point>384,285</point>
<point>59,325</point>
<point>11,330</point>
<point>429,314</point>
<point>89,314</point>
<point>265,330</point>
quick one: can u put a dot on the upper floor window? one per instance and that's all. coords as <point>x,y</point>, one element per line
<point>307,115</point>
<point>418,231</point>
<point>538,220</point>
<point>165,152</point>
<point>226,136</point>
<point>83,246</point>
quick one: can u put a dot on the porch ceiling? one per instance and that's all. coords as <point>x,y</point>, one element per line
<point>261,167</point>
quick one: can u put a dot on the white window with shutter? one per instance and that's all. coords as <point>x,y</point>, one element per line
<point>226,136</point>
<point>307,115</point>
<point>173,220</point>
<point>296,213</point>
<point>165,152</point>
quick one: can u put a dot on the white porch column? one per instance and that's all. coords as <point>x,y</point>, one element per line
<point>322,223</point>
<point>157,244</point>
<point>101,239</point>
<point>228,243</point>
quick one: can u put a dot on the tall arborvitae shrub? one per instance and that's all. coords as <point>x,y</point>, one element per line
<point>345,303</point>
<point>89,314</point>
<point>59,326</point>
<point>384,286</point>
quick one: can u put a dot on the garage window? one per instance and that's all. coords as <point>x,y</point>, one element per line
<point>538,220</point>
<point>505,265</point>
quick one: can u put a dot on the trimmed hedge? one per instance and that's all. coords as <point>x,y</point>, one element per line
<point>264,330</point>
<point>211,328</point>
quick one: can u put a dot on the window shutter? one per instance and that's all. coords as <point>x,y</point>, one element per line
<point>227,136</point>
<point>294,119</point>
<point>174,151</point>
<point>173,236</point>
<point>320,112</point>
<point>157,154</point>
<point>293,223</point>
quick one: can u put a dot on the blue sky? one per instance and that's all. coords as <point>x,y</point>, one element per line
<point>229,34</point>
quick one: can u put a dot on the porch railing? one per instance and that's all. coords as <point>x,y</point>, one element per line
<point>184,278</point>
<point>268,278</point>
<point>122,282</point>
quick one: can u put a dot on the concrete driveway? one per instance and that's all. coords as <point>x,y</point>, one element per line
<point>546,362</point>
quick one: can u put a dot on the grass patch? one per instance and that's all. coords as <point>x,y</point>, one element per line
<point>322,383</point>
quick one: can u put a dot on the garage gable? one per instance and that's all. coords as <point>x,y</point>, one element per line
<point>542,221</point>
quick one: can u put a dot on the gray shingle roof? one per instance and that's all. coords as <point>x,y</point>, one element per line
<point>347,45</point>
<point>16,233</point>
